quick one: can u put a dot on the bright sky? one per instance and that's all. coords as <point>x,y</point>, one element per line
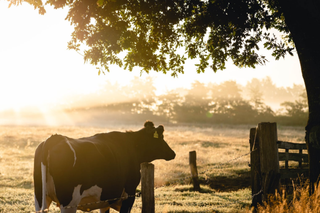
<point>37,69</point>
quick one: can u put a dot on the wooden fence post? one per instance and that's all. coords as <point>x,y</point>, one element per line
<point>300,161</point>
<point>269,158</point>
<point>255,167</point>
<point>194,170</point>
<point>147,188</point>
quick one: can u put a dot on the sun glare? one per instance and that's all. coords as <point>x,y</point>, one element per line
<point>36,68</point>
<point>38,72</point>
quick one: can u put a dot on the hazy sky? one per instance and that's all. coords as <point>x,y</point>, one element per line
<point>36,68</point>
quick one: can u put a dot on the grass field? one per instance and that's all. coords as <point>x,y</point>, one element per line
<point>225,178</point>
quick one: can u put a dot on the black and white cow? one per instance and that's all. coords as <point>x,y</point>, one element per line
<point>97,172</point>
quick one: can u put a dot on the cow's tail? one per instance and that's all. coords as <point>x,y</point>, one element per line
<point>44,186</point>
<point>40,172</point>
<point>37,178</point>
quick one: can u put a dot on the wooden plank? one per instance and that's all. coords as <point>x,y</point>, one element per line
<point>290,145</point>
<point>255,167</point>
<point>293,173</point>
<point>269,158</point>
<point>194,170</point>
<point>147,188</point>
<point>300,161</point>
<point>286,158</point>
<point>293,157</point>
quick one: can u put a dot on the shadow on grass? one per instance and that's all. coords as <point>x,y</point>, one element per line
<point>190,189</point>
<point>22,184</point>
<point>229,183</point>
<point>213,211</point>
<point>240,180</point>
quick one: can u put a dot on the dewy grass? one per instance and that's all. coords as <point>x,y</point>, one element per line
<point>225,184</point>
<point>298,202</point>
<point>183,199</point>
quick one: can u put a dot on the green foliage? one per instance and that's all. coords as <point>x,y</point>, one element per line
<point>36,3</point>
<point>161,35</point>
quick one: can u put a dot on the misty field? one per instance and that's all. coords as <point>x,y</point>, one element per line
<point>222,159</point>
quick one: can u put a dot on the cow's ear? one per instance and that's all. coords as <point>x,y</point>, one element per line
<point>160,130</point>
<point>148,124</point>
<point>149,127</point>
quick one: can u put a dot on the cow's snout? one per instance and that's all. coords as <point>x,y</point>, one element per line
<point>171,156</point>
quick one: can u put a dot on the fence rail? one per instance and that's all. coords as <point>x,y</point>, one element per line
<point>293,157</point>
<point>290,145</point>
<point>265,170</point>
<point>298,157</point>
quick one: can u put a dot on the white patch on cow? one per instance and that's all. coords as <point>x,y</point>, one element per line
<point>36,203</point>
<point>44,186</point>
<point>74,152</point>
<point>90,195</point>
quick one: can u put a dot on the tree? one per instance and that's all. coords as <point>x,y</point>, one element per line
<point>256,95</point>
<point>296,110</point>
<point>168,104</point>
<point>225,96</point>
<point>152,35</point>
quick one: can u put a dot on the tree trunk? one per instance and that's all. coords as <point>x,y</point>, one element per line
<point>303,21</point>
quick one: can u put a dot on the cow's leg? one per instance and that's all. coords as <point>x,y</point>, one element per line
<point>127,205</point>
<point>68,210</point>
<point>48,202</point>
<point>44,209</point>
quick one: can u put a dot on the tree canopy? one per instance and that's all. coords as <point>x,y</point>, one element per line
<point>149,33</point>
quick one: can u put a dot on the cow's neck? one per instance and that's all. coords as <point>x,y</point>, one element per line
<point>139,150</point>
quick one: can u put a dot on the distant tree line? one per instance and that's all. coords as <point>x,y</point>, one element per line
<point>228,103</point>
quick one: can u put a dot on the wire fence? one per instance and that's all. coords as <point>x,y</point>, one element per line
<point>87,206</point>
<point>227,162</point>
<point>220,166</point>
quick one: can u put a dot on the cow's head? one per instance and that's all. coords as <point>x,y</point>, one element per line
<point>152,144</point>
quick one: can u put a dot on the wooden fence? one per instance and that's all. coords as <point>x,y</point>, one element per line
<point>266,152</point>
<point>301,158</point>
<point>147,182</point>
<point>264,160</point>
<point>147,188</point>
